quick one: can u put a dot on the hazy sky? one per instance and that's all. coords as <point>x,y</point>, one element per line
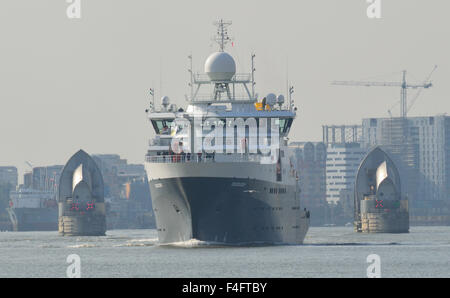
<point>67,84</point>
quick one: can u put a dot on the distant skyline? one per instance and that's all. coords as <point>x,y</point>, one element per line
<point>70,84</point>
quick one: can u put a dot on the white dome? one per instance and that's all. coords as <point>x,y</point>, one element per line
<point>165,101</point>
<point>220,66</point>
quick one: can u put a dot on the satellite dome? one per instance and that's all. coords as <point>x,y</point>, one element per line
<point>220,66</point>
<point>280,99</point>
<point>165,101</point>
<point>271,99</point>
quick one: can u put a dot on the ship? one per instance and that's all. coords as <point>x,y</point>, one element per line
<point>33,210</point>
<point>220,170</point>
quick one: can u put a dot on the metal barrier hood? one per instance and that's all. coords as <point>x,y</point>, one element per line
<point>81,177</point>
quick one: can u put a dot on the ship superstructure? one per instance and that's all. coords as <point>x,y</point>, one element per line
<point>220,170</point>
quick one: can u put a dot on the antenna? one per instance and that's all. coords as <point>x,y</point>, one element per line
<point>191,84</point>
<point>222,37</point>
<point>220,70</point>
<point>253,75</point>
<point>287,81</point>
<point>291,90</point>
<point>160,76</point>
<point>152,93</point>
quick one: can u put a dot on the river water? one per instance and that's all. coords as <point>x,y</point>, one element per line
<point>327,252</point>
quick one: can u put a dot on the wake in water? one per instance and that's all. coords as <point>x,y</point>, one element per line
<point>139,242</point>
<point>82,245</point>
<point>192,243</point>
<point>195,243</point>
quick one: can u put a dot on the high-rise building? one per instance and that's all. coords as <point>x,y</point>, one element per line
<point>119,166</point>
<point>9,175</point>
<point>127,192</point>
<point>344,153</point>
<point>310,158</point>
<point>28,180</point>
<point>342,164</point>
<point>117,172</point>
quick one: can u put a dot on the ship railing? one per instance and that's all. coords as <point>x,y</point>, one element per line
<point>206,98</point>
<point>203,78</point>
<point>203,158</point>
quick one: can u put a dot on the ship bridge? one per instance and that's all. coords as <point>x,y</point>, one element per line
<point>222,106</point>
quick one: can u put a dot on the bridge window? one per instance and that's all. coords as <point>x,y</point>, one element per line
<point>162,126</point>
<point>285,125</point>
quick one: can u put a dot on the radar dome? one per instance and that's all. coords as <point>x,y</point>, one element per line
<point>220,66</point>
<point>165,101</point>
<point>271,99</point>
<point>280,99</point>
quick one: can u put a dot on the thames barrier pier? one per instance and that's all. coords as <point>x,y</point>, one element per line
<point>81,198</point>
<point>379,206</point>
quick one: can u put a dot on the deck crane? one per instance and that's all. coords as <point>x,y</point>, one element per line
<point>403,91</point>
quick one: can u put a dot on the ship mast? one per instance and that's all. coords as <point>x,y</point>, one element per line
<point>220,71</point>
<point>222,37</point>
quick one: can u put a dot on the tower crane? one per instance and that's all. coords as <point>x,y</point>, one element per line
<point>427,80</point>
<point>29,164</point>
<point>403,91</point>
